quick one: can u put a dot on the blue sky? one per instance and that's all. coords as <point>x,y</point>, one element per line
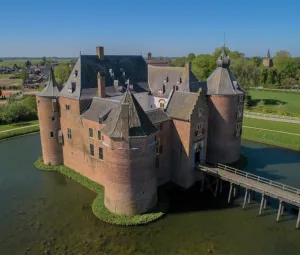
<point>169,28</point>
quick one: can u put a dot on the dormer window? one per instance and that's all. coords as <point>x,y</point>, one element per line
<point>75,73</point>
<point>72,87</point>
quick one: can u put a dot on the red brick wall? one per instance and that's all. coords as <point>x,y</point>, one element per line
<point>51,149</point>
<point>223,146</point>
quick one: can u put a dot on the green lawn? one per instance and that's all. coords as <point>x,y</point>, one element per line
<point>269,137</point>
<point>274,125</point>
<point>19,124</point>
<point>290,100</point>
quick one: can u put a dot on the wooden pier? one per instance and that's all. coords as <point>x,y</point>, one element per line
<point>268,188</point>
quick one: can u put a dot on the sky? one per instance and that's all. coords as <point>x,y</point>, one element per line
<point>63,28</point>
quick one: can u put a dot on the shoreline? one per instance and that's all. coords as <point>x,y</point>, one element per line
<point>98,207</point>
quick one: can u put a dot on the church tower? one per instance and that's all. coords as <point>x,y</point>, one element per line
<point>225,103</point>
<point>49,119</point>
<point>268,62</point>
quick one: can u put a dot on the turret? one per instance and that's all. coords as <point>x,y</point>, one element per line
<point>130,186</point>
<point>225,102</point>
<point>49,120</point>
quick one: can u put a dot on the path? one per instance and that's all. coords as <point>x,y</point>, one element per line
<point>12,129</point>
<point>266,117</point>
<point>271,130</point>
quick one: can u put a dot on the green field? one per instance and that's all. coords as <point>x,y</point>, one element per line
<point>34,61</point>
<point>18,125</point>
<point>289,141</point>
<point>289,100</point>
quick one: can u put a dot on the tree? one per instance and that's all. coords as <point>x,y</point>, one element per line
<point>256,60</point>
<point>62,73</point>
<point>219,50</point>
<point>282,54</point>
<point>0,92</point>
<point>30,103</point>
<point>203,66</point>
<point>191,56</point>
<point>43,61</point>
<point>263,75</point>
<point>27,63</point>
<point>24,74</point>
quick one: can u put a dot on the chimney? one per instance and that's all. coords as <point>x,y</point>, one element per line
<point>101,84</point>
<point>125,121</point>
<point>100,52</point>
<point>188,66</point>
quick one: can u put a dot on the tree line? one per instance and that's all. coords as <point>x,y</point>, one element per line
<point>250,72</point>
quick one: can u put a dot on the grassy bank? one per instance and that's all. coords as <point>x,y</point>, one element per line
<point>276,102</point>
<point>253,130</point>
<point>98,206</point>
<point>17,132</point>
<point>18,125</point>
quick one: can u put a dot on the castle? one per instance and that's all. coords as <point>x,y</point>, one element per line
<point>132,127</point>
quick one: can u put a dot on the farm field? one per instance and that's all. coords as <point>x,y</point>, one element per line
<point>289,100</point>
<point>20,62</point>
<point>5,81</point>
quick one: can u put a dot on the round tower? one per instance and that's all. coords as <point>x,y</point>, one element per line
<point>49,120</point>
<point>130,186</point>
<point>225,102</point>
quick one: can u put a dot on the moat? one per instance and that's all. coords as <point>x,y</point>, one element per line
<point>46,213</point>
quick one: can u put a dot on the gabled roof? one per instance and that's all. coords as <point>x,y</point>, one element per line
<point>52,89</point>
<point>138,121</point>
<point>158,74</point>
<point>182,104</point>
<point>116,67</point>
<point>100,107</point>
<point>157,115</point>
<point>222,81</point>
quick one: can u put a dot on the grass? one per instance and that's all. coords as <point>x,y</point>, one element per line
<point>272,138</point>
<point>98,206</point>
<point>290,101</point>
<point>18,125</point>
<point>18,132</point>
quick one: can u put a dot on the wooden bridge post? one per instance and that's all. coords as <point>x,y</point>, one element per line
<point>265,202</point>
<point>230,191</point>
<point>279,211</point>
<point>282,209</point>
<point>245,198</point>
<point>298,219</point>
<point>234,191</point>
<point>262,202</point>
<point>249,196</point>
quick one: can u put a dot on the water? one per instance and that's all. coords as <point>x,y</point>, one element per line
<point>46,213</point>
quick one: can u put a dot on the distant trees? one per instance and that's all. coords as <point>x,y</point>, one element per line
<point>18,111</point>
<point>27,64</point>
<point>43,61</point>
<point>249,72</point>
<point>62,73</point>
<point>1,60</point>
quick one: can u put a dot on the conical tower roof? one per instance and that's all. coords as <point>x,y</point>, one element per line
<point>222,81</point>
<point>268,54</point>
<point>51,89</point>
<point>138,121</point>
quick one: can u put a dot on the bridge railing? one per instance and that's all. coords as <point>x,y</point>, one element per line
<point>257,178</point>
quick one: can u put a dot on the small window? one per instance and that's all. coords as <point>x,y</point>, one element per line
<point>52,134</point>
<point>100,153</point>
<point>162,105</point>
<point>241,98</point>
<point>38,101</point>
<point>68,107</point>
<point>240,111</point>
<point>92,153</point>
<point>200,111</point>
<point>69,133</point>
<point>238,129</point>
<point>53,118</point>
<point>91,132</point>
<point>158,147</point>
<point>99,135</point>
<point>198,129</point>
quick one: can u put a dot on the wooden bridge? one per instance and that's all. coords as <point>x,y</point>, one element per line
<point>251,182</point>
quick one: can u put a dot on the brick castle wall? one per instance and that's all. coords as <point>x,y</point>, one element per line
<point>49,122</point>
<point>223,145</point>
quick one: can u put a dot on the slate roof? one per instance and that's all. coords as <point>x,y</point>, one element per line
<point>133,68</point>
<point>157,115</point>
<point>222,81</point>
<point>139,123</point>
<point>181,105</point>
<point>52,89</point>
<point>157,75</point>
<point>99,108</point>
